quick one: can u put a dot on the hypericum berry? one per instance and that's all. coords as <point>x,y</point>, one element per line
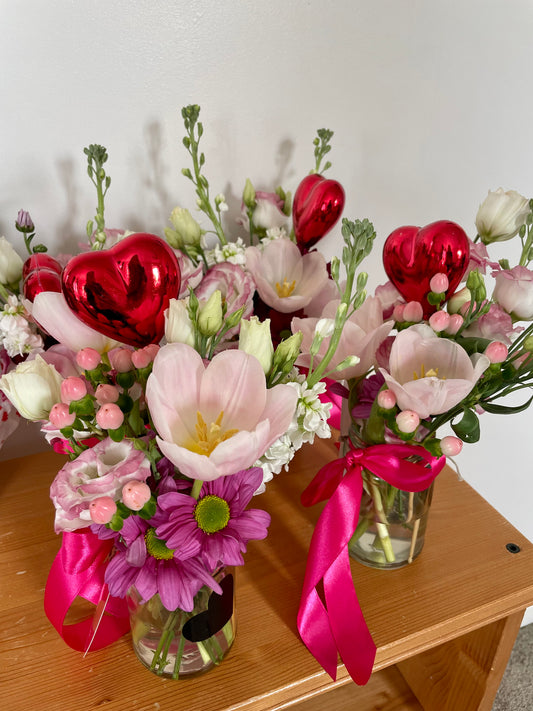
<point>135,494</point>
<point>109,416</point>
<point>102,509</point>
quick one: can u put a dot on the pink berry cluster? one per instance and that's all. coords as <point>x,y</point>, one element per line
<point>107,399</point>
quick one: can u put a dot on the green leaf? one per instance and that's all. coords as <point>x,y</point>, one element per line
<point>468,428</point>
<point>148,510</point>
<point>126,380</point>
<point>85,406</point>
<point>116,435</point>
<point>125,402</point>
<point>505,409</point>
<point>116,522</point>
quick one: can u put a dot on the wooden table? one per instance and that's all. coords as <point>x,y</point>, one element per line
<point>444,626</point>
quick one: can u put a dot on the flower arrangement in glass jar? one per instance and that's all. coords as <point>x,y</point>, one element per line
<point>172,388</point>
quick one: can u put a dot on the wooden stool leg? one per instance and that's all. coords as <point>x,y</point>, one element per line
<point>465,673</point>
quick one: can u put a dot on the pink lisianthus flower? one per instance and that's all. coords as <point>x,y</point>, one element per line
<point>236,288</point>
<point>63,360</point>
<point>51,312</point>
<point>191,275</point>
<point>217,419</point>
<point>100,471</point>
<point>389,297</point>
<point>286,280</point>
<point>514,292</point>
<point>268,211</point>
<point>496,324</point>
<point>479,259</point>
<point>216,526</point>
<point>361,336</point>
<point>144,561</point>
<point>428,374</point>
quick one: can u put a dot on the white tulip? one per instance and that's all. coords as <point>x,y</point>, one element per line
<point>178,325</point>
<point>33,388</point>
<point>255,339</point>
<point>10,263</point>
<point>501,215</point>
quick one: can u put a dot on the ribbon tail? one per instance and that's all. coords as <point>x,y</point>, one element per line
<point>316,634</point>
<point>97,618</point>
<point>352,636</point>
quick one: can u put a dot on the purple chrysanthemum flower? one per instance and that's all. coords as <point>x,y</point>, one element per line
<point>144,561</point>
<point>216,525</point>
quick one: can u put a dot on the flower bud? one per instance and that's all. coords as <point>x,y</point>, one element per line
<point>451,446</point>
<point>386,399</point>
<point>325,327</point>
<point>439,321</point>
<point>210,318</point>
<point>178,325</point>
<point>106,393</point>
<point>187,230</point>
<point>60,416</point>
<point>287,351</point>
<point>88,358</point>
<point>141,358</point>
<point>501,215</point>
<point>255,339</point>
<point>496,352</point>
<point>456,321</point>
<point>24,223</point>
<point>458,300</point>
<point>439,283</point>
<point>413,312</point>
<point>73,388</point>
<point>398,313</point>
<point>407,421</point>
<point>109,416</point>
<point>10,263</point>
<point>102,509</point>
<point>248,195</point>
<point>135,494</point>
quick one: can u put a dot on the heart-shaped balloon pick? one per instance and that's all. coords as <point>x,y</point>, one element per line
<point>413,255</point>
<point>318,204</point>
<point>40,272</point>
<point>123,291</point>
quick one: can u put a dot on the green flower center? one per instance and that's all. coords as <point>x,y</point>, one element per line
<point>156,547</point>
<point>212,513</point>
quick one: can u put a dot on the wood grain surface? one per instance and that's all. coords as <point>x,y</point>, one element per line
<point>464,582</point>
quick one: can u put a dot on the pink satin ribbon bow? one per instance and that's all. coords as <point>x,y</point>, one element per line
<point>339,625</point>
<point>78,571</point>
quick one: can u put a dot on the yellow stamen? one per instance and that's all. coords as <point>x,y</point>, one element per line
<point>285,289</point>
<point>431,373</point>
<point>209,437</point>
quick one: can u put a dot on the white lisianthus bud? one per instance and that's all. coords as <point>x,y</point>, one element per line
<point>248,195</point>
<point>210,318</point>
<point>501,215</point>
<point>10,263</point>
<point>33,388</point>
<point>458,300</point>
<point>188,231</point>
<point>178,325</point>
<point>255,339</point>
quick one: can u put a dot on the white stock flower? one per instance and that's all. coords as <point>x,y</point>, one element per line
<point>17,334</point>
<point>232,252</point>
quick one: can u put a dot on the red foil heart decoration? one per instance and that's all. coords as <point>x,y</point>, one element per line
<point>413,255</point>
<point>123,291</point>
<point>318,204</point>
<point>40,272</point>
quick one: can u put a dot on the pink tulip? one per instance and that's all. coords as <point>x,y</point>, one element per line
<point>286,280</point>
<point>109,416</point>
<point>361,336</point>
<point>428,374</point>
<point>216,419</point>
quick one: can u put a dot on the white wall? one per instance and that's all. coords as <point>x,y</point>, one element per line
<point>431,104</point>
